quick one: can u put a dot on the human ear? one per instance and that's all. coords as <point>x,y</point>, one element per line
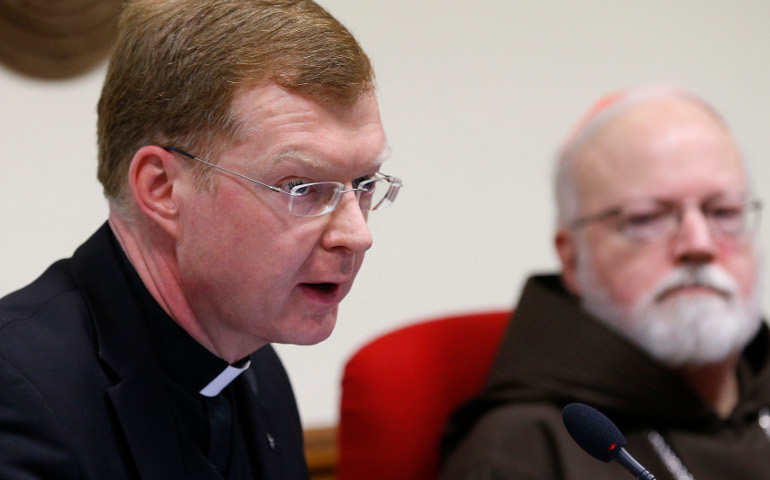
<point>154,178</point>
<point>566,247</point>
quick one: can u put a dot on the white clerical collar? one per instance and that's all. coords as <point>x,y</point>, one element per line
<point>223,379</point>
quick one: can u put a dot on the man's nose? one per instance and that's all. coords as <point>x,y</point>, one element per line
<point>694,242</point>
<point>347,226</point>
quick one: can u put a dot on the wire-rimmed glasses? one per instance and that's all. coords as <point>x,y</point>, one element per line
<point>319,198</point>
<point>728,216</point>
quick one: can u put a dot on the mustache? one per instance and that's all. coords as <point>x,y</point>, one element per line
<point>705,276</point>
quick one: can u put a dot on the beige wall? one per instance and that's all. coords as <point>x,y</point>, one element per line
<point>475,101</point>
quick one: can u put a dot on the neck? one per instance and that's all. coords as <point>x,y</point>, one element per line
<point>152,254</point>
<point>716,384</point>
<point>147,258</point>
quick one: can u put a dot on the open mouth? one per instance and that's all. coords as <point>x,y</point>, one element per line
<point>325,293</point>
<point>322,287</point>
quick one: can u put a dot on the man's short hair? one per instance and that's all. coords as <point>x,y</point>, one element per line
<point>601,113</point>
<point>177,66</point>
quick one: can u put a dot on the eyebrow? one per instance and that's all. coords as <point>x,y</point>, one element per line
<point>291,156</point>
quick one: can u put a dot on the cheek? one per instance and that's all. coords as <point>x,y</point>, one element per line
<point>271,256</point>
<point>358,261</point>
<point>228,239</point>
<point>628,272</point>
<point>742,262</point>
<point>629,280</point>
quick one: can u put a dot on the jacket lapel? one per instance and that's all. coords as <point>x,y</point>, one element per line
<point>146,418</point>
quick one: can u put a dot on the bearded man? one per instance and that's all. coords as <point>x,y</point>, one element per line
<point>655,318</point>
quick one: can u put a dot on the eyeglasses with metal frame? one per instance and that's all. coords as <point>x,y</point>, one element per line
<point>728,216</point>
<point>319,198</point>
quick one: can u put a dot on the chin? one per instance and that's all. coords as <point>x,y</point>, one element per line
<point>311,331</point>
<point>696,331</point>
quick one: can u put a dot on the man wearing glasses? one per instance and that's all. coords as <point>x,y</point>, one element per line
<point>655,318</point>
<point>240,147</point>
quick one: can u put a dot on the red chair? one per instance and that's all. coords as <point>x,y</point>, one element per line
<point>399,390</point>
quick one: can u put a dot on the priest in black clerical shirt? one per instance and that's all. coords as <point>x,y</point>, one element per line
<point>240,147</point>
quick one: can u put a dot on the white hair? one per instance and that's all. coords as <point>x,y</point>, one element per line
<point>605,110</point>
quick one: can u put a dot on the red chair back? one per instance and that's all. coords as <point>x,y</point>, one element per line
<point>399,390</point>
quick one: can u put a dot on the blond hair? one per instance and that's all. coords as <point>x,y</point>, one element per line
<point>177,65</point>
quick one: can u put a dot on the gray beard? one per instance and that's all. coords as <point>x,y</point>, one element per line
<point>678,331</point>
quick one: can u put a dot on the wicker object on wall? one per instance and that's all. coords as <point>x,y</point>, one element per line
<point>56,39</point>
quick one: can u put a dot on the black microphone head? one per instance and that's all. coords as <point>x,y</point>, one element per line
<point>593,431</point>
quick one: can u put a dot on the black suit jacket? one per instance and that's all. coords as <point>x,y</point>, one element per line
<point>82,397</point>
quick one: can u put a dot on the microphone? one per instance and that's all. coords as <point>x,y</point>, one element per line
<point>600,438</point>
